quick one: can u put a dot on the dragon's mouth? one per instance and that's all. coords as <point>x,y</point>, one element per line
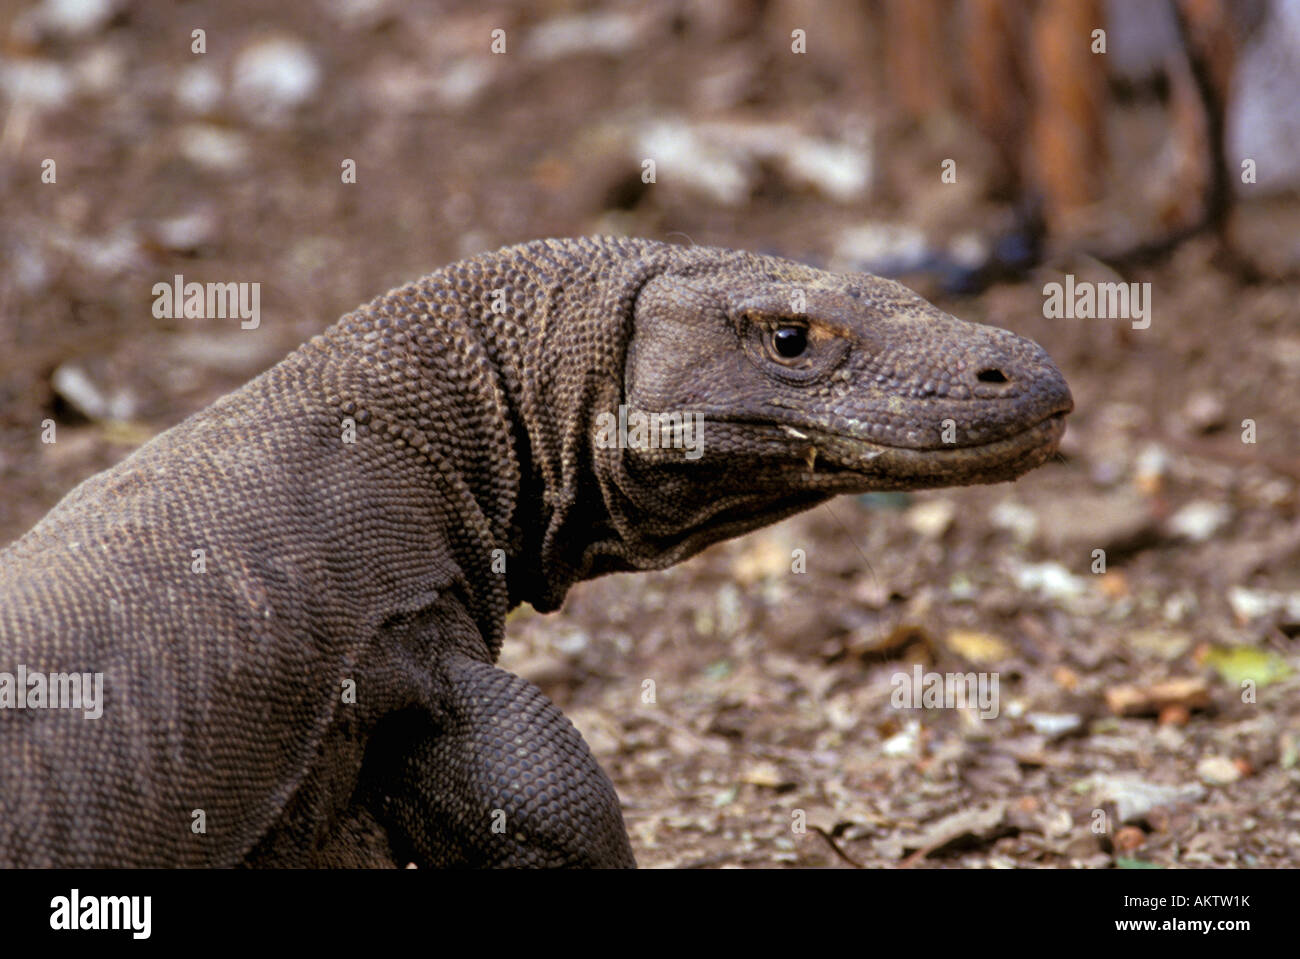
<point>807,459</point>
<point>836,461</point>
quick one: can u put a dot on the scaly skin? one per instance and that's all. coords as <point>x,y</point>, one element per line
<point>380,562</point>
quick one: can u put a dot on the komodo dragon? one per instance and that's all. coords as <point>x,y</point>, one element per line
<point>235,577</point>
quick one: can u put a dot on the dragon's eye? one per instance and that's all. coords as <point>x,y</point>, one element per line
<point>790,341</point>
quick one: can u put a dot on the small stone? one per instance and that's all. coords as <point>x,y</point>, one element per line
<point>1218,770</point>
<point>213,147</point>
<point>187,232</point>
<point>273,77</point>
<point>571,642</point>
<point>199,89</point>
<point>1199,520</point>
<point>766,559</point>
<point>601,33</point>
<point>1051,579</point>
<point>1205,412</point>
<point>1066,678</point>
<point>1016,519</point>
<point>1166,644</point>
<point>978,647</point>
<point>1129,838</point>
<point>69,19</point>
<point>36,83</point>
<point>101,71</point>
<point>1175,714</point>
<point>1135,796</point>
<point>77,389</point>
<point>897,247</point>
<point>1053,725</point>
<point>765,774</point>
<point>1150,469</point>
<point>903,743</point>
<point>1248,604</point>
<point>931,518</point>
<point>1113,584</point>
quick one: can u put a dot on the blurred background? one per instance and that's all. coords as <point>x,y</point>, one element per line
<point>977,150</point>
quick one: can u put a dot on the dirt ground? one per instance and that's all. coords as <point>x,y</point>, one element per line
<point>773,737</point>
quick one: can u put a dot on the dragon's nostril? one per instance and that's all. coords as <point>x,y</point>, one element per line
<point>991,376</point>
